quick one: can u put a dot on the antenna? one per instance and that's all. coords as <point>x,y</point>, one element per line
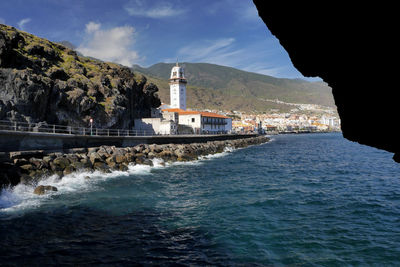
<point>177,62</point>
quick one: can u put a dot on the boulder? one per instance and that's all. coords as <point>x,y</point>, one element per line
<point>120,158</point>
<point>151,155</point>
<point>78,165</point>
<point>27,167</point>
<point>108,149</point>
<point>95,157</point>
<point>43,189</point>
<point>20,162</point>
<point>123,167</point>
<point>147,162</point>
<point>139,158</point>
<point>87,163</point>
<point>130,157</point>
<point>101,166</point>
<point>155,148</point>
<point>91,150</point>
<point>103,153</point>
<point>38,163</point>
<point>113,165</point>
<point>68,170</point>
<point>61,162</point>
<point>72,157</point>
<point>180,153</point>
<point>55,167</point>
<point>166,154</point>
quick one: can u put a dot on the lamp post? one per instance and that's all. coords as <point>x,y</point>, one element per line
<point>91,126</point>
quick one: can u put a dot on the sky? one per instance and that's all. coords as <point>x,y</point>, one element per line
<point>146,32</point>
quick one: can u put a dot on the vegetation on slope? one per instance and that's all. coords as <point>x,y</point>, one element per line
<point>219,87</point>
<point>45,81</point>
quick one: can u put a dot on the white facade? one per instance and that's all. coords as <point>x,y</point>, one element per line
<point>150,126</point>
<point>203,123</point>
<point>177,86</point>
<point>191,120</point>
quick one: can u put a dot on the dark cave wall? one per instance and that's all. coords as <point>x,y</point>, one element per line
<point>355,50</point>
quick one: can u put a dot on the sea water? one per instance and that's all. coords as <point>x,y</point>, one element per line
<point>313,199</point>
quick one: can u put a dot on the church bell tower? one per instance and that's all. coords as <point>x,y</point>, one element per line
<point>177,86</point>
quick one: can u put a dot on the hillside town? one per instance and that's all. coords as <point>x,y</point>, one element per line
<point>175,118</point>
<point>285,122</point>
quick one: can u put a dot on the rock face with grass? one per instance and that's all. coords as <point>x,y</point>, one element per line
<point>45,81</point>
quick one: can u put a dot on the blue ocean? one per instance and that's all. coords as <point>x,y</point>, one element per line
<point>298,200</point>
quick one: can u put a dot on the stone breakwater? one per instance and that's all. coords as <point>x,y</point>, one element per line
<point>30,167</point>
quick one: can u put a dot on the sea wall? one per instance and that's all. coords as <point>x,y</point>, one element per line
<point>29,167</point>
<point>22,141</point>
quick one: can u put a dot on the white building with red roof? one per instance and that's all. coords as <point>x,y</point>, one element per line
<point>203,122</point>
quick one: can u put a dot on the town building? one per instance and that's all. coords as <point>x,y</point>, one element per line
<point>203,122</point>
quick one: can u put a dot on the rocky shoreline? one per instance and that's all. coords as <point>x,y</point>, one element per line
<point>31,167</point>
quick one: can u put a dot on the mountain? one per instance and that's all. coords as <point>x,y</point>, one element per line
<point>220,87</point>
<point>43,81</point>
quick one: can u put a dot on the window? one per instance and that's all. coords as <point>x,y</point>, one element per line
<point>174,74</point>
<point>192,119</point>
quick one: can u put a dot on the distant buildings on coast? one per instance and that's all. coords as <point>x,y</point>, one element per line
<point>285,122</point>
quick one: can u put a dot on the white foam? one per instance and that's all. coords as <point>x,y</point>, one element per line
<point>21,196</point>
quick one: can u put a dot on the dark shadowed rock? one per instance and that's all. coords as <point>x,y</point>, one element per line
<point>320,44</point>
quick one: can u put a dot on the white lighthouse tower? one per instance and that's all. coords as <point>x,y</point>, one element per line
<point>177,86</point>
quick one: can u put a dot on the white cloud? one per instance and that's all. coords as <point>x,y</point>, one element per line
<point>259,58</point>
<point>160,9</point>
<point>22,22</point>
<point>2,21</point>
<point>208,51</point>
<point>113,44</point>
<point>92,27</point>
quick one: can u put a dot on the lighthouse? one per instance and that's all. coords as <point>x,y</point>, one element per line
<point>177,86</point>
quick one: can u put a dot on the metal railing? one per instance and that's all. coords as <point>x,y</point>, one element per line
<point>15,126</point>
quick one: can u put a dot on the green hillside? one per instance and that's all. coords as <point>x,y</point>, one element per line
<point>219,87</point>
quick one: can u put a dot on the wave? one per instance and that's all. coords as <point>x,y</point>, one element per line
<point>21,196</point>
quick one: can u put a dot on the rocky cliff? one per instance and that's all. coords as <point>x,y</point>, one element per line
<point>45,81</point>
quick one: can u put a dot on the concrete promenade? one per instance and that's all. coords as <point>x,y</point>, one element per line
<point>25,141</point>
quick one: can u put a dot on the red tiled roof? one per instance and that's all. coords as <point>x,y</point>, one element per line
<point>202,113</point>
